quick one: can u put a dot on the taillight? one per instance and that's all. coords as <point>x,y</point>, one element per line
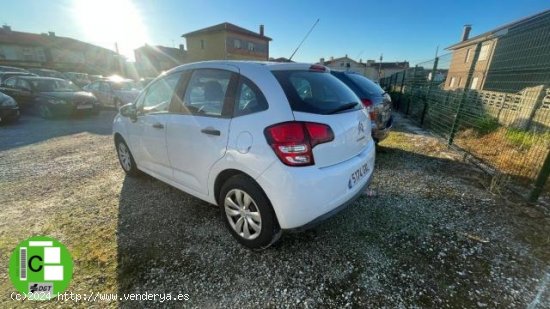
<point>370,108</point>
<point>293,141</point>
<point>317,68</point>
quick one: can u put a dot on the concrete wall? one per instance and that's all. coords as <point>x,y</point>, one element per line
<point>10,52</point>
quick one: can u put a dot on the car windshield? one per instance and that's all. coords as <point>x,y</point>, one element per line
<point>126,85</point>
<point>316,92</point>
<point>53,85</point>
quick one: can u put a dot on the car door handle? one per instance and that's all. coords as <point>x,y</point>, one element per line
<point>158,125</point>
<point>211,132</point>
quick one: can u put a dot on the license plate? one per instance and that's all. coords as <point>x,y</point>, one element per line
<point>358,175</point>
<point>85,106</point>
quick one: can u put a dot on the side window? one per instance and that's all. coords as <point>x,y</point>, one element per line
<point>93,86</point>
<point>23,84</point>
<point>206,91</point>
<point>11,82</point>
<point>249,98</point>
<point>159,95</point>
<point>104,87</point>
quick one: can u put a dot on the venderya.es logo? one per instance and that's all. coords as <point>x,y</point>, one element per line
<point>41,267</point>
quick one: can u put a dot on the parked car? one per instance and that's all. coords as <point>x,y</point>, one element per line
<point>374,98</point>
<point>5,75</point>
<point>9,110</point>
<point>4,68</point>
<point>79,79</point>
<point>144,81</point>
<point>278,146</point>
<point>114,92</point>
<point>50,96</point>
<point>48,73</point>
<point>93,78</point>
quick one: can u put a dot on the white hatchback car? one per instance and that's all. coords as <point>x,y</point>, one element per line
<point>276,146</point>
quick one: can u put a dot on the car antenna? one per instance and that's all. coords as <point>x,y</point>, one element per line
<point>315,24</point>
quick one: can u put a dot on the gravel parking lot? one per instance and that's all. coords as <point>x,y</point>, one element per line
<point>433,236</point>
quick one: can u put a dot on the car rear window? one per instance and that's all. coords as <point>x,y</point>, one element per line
<point>316,92</point>
<point>366,84</point>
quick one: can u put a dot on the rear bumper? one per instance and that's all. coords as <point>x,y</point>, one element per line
<point>71,109</point>
<point>333,212</point>
<point>381,134</point>
<point>303,196</point>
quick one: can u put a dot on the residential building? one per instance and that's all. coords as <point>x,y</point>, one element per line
<point>510,58</point>
<point>47,50</point>
<point>153,60</point>
<point>370,69</point>
<point>227,41</point>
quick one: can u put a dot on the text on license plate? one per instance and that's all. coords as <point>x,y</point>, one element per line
<point>84,106</point>
<point>358,175</point>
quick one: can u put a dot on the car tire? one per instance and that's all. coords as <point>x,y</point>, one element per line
<point>247,213</point>
<point>125,158</point>
<point>45,111</point>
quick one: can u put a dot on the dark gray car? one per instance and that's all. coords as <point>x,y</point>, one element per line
<point>374,98</point>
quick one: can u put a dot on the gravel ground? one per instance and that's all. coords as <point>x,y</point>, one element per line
<point>432,236</point>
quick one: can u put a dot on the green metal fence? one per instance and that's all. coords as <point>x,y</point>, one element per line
<point>491,99</point>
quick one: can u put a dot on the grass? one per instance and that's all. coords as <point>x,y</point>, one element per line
<point>525,139</point>
<point>486,125</point>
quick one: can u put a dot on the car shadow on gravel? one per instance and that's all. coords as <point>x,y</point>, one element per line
<point>32,129</point>
<point>426,239</point>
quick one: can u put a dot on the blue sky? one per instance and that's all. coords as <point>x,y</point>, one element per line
<point>401,30</point>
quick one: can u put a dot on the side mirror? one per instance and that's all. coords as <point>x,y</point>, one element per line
<point>129,110</point>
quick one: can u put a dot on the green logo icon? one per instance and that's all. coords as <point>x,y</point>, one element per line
<point>41,267</point>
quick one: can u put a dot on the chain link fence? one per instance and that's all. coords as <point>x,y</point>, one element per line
<point>490,98</point>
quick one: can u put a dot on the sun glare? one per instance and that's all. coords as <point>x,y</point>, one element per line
<point>106,22</point>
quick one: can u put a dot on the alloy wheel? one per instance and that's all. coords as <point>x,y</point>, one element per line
<point>243,214</point>
<point>124,157</point>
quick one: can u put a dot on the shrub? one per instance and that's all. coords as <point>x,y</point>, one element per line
<point>486,125</point>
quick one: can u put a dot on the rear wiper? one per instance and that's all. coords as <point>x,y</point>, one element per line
<point>343,108</point>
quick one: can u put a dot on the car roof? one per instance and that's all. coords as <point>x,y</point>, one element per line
<point>41,78</point>
<point>273,66</point>
<point>17,73</point>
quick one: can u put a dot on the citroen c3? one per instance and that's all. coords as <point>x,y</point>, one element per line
<point>277,146</point>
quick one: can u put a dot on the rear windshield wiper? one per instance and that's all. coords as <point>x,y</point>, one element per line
<point>343,108</point>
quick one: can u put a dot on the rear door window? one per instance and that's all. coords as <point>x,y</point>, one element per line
<point>249,98</point>
<point>316,92</point>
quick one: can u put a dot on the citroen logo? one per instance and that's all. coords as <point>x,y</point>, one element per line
<point>361,128</point>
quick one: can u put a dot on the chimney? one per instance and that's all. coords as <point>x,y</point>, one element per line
<point>262,30</point>
<point>182,48</point>
<point>322,61</point>
<point>51,33</point>
<point>466,32</point>
<point>331,58</point>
